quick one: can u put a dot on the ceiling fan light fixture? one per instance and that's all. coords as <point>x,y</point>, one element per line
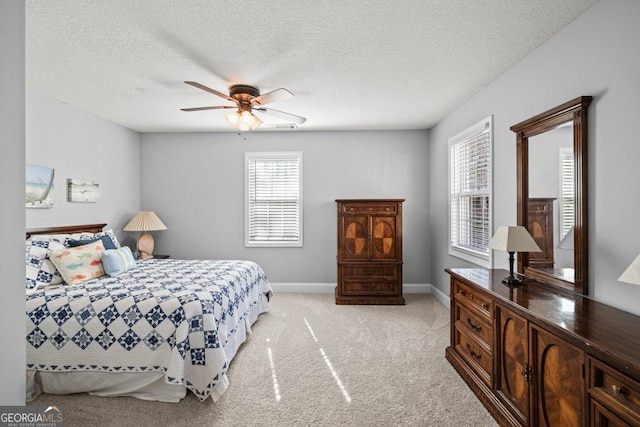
<point>243,121</point>
<point>233,118</point>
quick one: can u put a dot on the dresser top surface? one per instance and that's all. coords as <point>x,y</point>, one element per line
<point>608,330</point>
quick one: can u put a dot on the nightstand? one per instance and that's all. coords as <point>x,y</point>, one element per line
<point>161,256</point>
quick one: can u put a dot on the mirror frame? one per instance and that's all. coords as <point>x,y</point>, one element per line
<point>572,111</point>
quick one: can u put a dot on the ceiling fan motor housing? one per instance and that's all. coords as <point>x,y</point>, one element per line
<point>243,93</point>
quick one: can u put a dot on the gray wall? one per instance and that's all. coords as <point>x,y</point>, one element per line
<point>195,183</point>
<point>79,145</point>
<point>12,120</point>
<point>596,55</point>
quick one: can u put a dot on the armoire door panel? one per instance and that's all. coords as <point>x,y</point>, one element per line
<point>355,239</point>
<point>383,238</point>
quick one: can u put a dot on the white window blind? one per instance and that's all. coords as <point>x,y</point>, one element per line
<point>273,199</point>
<point>567,191</point>
<point>470,193</point>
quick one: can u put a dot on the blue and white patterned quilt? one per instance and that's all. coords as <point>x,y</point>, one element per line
<point>172,316</point>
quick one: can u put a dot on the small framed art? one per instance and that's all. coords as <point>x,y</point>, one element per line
<point>82,190</point>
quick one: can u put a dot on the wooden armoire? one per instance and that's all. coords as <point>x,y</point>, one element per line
<point>369,251</point>
<point>540,215</point>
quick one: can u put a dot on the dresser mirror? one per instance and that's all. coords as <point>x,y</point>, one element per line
<point>551,158</point>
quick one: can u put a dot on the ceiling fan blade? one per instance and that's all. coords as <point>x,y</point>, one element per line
<point>218,107</point>
<point>282,115</point>
<point>213,91</point>
<point>273,96</point>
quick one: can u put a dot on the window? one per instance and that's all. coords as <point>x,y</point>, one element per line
<point>567,191</point>
<point>470,193</point>
<point>273,209</point>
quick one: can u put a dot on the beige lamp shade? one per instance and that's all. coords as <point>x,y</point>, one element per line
<point>513,239</point>
<point>145,221</point>
<point>632,273</point>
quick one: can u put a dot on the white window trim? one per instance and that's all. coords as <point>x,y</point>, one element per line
<point>272,155</point>
<point>481,259</point>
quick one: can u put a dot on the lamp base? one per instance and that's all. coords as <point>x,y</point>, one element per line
<point>145,246</point>
<point>512,281</point>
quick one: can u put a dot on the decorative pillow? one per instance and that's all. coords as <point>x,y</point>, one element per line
<point>40,271</point>
<point>87,236</point>
<point>107,242</point>
<point>79,264</point>
<point>117,261</point>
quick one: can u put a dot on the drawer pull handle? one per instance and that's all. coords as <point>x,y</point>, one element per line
<point>485,306</point>
<point>461,292</point>
<point>473,354</point>
<point>616,390</point>
<point>474,327</point>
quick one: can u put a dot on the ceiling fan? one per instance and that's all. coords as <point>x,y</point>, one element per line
<point>248,99</point>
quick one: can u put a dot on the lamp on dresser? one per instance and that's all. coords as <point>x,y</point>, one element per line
<point>513,239</point>
<point>632,273</point>
<point>144,222</point>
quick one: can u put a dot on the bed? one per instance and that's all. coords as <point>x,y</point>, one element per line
<point>153,331</point>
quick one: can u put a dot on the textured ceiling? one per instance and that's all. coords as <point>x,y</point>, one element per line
<point>369,64</point>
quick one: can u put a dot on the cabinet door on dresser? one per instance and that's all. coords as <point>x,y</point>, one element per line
<point>513,374</point>
<point>558,381</point>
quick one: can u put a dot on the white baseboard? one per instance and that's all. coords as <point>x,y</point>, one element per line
<point>329,288</point>
<point>441,296</point>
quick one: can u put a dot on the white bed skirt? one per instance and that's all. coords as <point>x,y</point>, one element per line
<point>143,385</point>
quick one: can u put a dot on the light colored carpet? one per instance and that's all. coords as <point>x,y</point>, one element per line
<point>388,367</point>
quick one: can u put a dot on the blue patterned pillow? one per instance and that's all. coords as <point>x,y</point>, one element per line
<point>40,271</point>
<point>117,261</point>
<point>87,236</point>
<point>107,242</point>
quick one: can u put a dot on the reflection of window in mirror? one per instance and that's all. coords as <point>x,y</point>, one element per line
<point>567,192</point>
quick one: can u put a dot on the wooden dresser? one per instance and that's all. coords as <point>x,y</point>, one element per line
<point>537,356</point>
<point>369,251</point>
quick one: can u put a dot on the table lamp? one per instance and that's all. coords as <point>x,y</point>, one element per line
<point>513,239</point>
<point>632,273</point>
<point>144,222</point>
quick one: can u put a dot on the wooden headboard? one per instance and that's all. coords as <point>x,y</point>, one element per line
<point>67,229</point>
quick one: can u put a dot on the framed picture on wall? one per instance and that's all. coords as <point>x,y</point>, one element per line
<point>39,186</point>
<point>82,190</point>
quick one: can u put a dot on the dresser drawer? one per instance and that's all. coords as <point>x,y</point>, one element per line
<point>473,299</point>
<point>368,270</point>
<point>475,353</point>
<point>356,286</point>
<point>614,390</point>
<point>474,324</point>
<point>370,208</point>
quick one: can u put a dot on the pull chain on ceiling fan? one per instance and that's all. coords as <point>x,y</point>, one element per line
<point>248,99</point>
